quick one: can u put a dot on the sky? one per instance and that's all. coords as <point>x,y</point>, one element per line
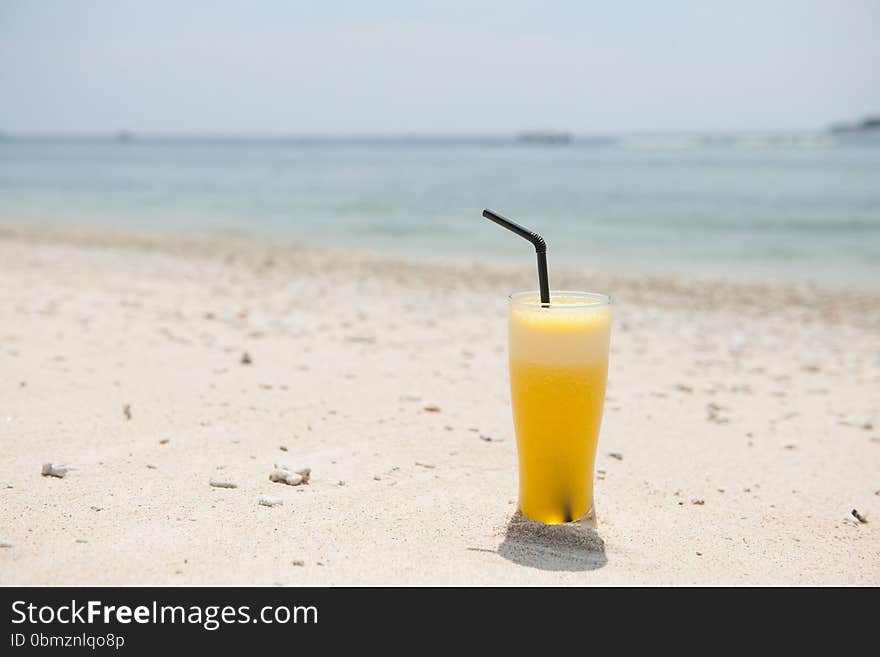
<point>455,67</point>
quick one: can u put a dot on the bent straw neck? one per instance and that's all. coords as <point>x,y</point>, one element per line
<point>540,249</point>
<point>530,235</point>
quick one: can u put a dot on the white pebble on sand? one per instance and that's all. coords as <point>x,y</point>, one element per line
<point>285,477</point>
<point>858,422</point>
<point>54,470</point>
<point>265,500</point>
<point>304,471</point>
<point>5,544</point>
<point>221,483</point>
<point>718,414</point>
<point>290,475</point>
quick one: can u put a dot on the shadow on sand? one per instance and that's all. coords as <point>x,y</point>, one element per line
<point>572,547</point>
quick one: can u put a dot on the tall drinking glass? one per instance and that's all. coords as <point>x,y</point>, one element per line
<point>558,370</point>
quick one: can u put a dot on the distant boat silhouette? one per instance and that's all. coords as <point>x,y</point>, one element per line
<point>544,137</point>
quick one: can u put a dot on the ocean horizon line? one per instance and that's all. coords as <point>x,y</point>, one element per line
<point>126,134</point>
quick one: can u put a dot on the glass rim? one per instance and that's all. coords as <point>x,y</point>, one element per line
<point>597,300</point>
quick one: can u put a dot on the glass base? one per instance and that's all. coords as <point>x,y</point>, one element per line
<point>588,519</point>
<point>572,546</point>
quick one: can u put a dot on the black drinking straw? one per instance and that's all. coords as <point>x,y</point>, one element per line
<point>540,249</point>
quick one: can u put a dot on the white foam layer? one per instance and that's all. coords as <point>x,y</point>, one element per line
<point>568,333</point>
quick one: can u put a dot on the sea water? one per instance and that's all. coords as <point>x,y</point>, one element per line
<point>803,207</point>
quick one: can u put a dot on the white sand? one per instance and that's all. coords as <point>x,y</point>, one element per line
<point>346,352</point>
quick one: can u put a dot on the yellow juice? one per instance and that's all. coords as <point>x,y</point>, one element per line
<point>558,369</point>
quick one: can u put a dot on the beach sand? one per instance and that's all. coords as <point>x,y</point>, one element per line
<point>744,420</point>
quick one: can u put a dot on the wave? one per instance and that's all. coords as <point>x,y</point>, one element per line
<point>703,142</point>
<point>792,226</point>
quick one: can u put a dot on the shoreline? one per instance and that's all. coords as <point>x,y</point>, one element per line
<point>759,294</point>
<point>740,429</point>
<point>45,228</point>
